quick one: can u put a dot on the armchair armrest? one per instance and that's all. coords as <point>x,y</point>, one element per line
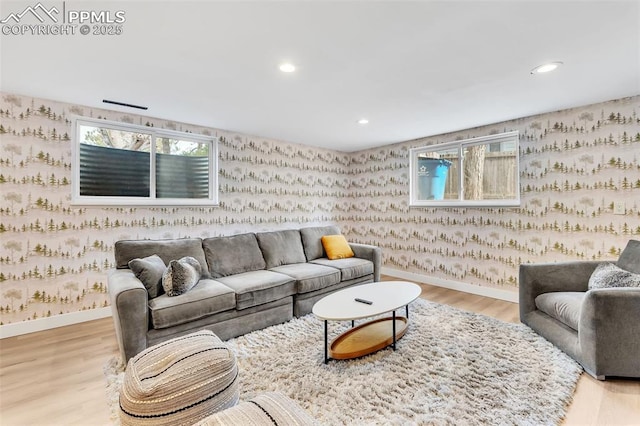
<point>129,308</point>
<point>609,330</point>
<point>538,278</point>
<point>372,253</point>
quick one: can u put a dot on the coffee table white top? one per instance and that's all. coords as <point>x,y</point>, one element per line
<point>386,296</point>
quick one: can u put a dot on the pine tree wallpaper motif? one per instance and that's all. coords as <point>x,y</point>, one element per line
<point>575,166</point>
<point>55,257</point>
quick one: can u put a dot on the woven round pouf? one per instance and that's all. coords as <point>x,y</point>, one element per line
<point>179,382</point>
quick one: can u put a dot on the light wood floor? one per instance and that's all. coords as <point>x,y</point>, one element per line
<point>55,377</point>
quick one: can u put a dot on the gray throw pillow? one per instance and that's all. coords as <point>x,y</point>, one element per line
<point>149,270</point>
<point>181,276</point>
<point>629,259</point>
<point>609,275</point>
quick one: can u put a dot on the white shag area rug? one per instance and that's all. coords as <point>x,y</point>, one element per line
<point>451,367</point>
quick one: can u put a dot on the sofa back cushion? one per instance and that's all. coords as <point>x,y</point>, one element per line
<point>281,247</point>
<point>311,240</point>
<point>629,259</point>
<point>168,250</point>
<point>233,255</point>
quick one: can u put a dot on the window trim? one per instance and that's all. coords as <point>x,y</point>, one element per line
<point>512,136</point>
<point>151,201</point>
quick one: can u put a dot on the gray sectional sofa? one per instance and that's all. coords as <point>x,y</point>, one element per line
<point>249,281</point>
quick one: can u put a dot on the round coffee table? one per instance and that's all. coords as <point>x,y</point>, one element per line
<point>350,304</point>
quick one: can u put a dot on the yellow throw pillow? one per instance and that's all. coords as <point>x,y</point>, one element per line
<point>336,247</point>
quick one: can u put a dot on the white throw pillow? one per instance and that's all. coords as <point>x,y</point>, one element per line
<point>609,275</point>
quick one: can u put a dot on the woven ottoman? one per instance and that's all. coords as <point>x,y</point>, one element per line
<point>272,408</point>
<point>179,382</point>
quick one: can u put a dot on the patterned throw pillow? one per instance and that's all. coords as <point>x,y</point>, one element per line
<point>181,276</point>
<point>609,275</point>
<point>149,270</point>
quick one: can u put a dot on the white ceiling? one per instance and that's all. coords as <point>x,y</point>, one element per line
<point>413,69</point>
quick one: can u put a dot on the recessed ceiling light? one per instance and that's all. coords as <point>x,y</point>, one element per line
<point>363,121</point>
<point>541,69</point>
<point>287,67</point>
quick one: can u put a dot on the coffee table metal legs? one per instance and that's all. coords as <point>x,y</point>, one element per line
<point>393,321</point>
<point>326,343</point>
<point>394,325</point>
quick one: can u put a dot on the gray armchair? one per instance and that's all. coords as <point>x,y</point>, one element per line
<point>599,327</point>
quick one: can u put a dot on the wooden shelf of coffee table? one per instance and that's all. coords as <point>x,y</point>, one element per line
<point>367,338</point>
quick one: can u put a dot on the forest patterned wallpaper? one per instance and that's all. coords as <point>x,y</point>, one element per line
<point>54,256</point>
<point>575,165</point>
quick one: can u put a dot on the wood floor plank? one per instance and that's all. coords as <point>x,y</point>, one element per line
<point>55,377</point>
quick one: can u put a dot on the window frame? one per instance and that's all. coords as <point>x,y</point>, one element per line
<point>460,145</point>
<point>151,200</point>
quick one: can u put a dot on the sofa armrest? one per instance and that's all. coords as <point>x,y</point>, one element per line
<point>130,311</point>
<point>538,278</point>
<point>372,253</point>
<point>609,330</point>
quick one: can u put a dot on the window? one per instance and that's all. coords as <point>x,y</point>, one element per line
<point>125,164</point>
<point>478,172</point>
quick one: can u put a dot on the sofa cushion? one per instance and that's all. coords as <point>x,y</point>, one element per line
<point>564,306</point>
<point>168,250</point>
<point>258,287</point>
<point>309,276</point>
<point>271,408</point>
<point>180,381</point>
<point>350,268</point>
<point>233,255</point>
<point>607,275</point>
<point>206,298</point>
<point>311,240</point>
<point>281,247</point>
<point>149,271</point>
<point>181,275</point>
<point>629,259</point>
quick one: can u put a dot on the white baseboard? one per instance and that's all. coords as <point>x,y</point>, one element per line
<point>40,324</point>
<point>496,293</point>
